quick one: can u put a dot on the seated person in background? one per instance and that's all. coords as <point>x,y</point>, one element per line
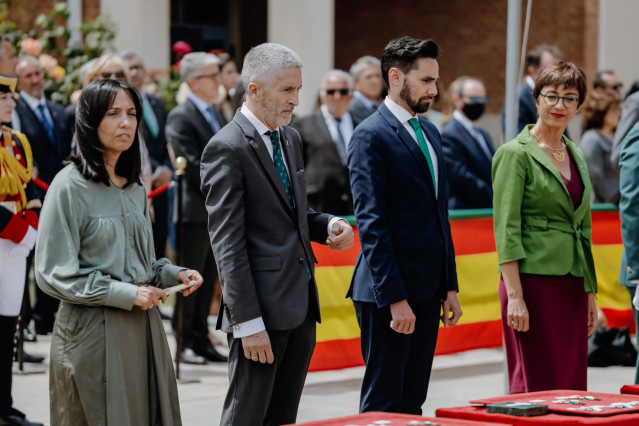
<point>468,149</point>
<point>601,113</point>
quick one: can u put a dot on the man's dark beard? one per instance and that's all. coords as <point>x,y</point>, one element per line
<point>418,108</point>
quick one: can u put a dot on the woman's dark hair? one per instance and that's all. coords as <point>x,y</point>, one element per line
<point>95,100</point>
<point>597,105</point>
<point>404,52</point>
<point>562,73</point>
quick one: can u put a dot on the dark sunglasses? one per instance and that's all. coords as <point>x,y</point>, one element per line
<point>342,92</point>
<point>118,75</point>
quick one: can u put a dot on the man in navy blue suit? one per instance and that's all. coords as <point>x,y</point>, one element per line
<point>468,149</point>
<point>404,280</point>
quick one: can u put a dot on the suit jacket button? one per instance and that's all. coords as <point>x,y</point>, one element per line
<point>300,260</point>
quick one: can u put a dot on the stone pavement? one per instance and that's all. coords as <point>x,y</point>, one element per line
<point>455,380</point>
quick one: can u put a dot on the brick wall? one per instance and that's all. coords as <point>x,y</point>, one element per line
<point>470,33</point>
<point>24,12</point>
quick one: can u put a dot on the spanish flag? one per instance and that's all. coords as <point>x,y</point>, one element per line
<point>338,344</point>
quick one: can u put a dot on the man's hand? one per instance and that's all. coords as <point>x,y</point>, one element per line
<point>344,236</point>
<point>451,309</point>
<point>403,317</point>
<point>257,347</point>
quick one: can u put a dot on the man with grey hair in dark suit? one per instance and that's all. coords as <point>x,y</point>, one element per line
<point>369,85</point>
<point>261,230</point>
<point>189,127</point>
<point>325,136</point>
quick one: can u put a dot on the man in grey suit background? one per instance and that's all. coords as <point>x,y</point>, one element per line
<point>189,127</point>
<point>369,85</point>
<point>325,136</point>
<point>260,228</point>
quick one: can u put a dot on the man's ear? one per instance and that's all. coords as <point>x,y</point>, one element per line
<point>252,89</point>
<point>395,77</point>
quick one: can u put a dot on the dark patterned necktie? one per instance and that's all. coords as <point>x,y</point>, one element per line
<point>278,159</point>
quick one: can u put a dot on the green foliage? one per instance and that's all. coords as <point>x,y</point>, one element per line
<point>51,33</point>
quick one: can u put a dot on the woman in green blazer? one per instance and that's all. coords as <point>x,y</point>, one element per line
<point>542,230</point>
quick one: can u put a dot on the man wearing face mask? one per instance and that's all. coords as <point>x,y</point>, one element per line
<point>468,149</point>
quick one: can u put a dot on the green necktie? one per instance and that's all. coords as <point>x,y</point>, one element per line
<point>147,113</point>
<point>278,159</point>
<point>423,145</point>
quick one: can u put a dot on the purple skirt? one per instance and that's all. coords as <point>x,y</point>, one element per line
<point>553,353</point>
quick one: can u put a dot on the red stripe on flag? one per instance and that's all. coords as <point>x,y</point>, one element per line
<point>619,318</point>
<point>606,227</point>
<point>336,354</point>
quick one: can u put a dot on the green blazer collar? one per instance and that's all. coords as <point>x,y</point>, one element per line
<point>527,141</point>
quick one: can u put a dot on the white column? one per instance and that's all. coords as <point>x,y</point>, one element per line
<point>307,27</point>
<point>143,26</point>
<point>618,31</point>
<point>74,21</point>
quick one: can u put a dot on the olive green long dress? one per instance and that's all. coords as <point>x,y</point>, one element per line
<point>110,361</point>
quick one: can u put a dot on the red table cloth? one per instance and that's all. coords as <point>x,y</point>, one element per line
<point>395,419</point>
<point>480,414</point>
<point>630,389</point>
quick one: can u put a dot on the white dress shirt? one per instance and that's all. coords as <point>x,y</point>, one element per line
<point>403,116</point>
<point>345,126</point>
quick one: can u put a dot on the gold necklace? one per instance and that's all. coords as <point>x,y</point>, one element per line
<point>558,153</point>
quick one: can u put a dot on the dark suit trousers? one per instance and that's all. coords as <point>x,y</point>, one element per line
<point>7,336</point>
<point>199,256</point>
<point>269,394</point>
<point>398,365</point>
<point>161,224</point>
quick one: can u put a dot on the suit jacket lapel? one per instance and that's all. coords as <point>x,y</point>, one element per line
<point>409,143</point>
<point>256,142</point>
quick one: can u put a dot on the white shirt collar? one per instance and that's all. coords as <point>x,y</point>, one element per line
<point>327,115</point>
<point>369,104</point>
<point>530,82</point>
<point>200,103</point>
<point>398,111</point>
<point>256,122</point>
<point>33,102</point>
<point>464,121</point>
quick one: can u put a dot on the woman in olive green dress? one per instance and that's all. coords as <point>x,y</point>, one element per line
<point>110,361</point>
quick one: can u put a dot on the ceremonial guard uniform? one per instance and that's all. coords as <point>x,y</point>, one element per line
<point>19,207</point>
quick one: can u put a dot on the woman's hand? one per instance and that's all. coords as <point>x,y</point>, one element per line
<point>518,314</point>
<point>185,276</point>
<point>148,297</point>
<point>593,315</point>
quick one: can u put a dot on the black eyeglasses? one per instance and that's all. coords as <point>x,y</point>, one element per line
<point>118,74</point>
<point>342,92</point>
<point>551,100</point>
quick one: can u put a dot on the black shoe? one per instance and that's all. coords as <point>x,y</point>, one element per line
<point>17,418</point>
<point>190,357</point>
<point>209,352</point>
<point>33,359</point>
